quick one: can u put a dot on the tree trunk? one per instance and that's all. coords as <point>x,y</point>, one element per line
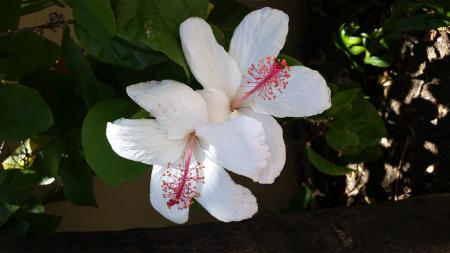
<point>420,224</point>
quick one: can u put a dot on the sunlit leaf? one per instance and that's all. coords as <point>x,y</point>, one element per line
<point>22,157</point>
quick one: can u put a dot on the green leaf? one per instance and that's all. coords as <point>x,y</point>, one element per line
<point>301,200</point>
<point>9,14</point>
<point>342,101</point>
<point>377,61</point>
<point>355,123</point>
<point>291,61</point>
<point>77,182</point>
<point>156,23</point>
<point>27,52</point>
<point>52,155</point>
<point>96,28</point>
<point>16,185</point>
<point>23,113</point>
<point>325,166</point>
<point>5,211</point>
<point>356,50</point>
<point>35,6</point>
<point>108,166</point>
<point>91,89</point>
<point>57,89</point>
<point>97,15</point>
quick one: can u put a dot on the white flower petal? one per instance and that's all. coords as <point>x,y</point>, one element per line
<point>238,144</point>
<point>224,199</point>
<point>275,141</point>
<point>261,34</point>
<point>176,107</point>
<point>160,203</point>
<point>218,105</point>
<point>143,140</point>
<point>211,65</point>
<point>306,94</point>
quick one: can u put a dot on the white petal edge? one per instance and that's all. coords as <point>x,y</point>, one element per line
<point>176,107</point>
<point>238,144</point>
<point>223,198</point>
<point>218,105</point>
<point>159,203</point>
<point>211,65</point>
<point>306,94</point>
<point>275,141</point>
<point>143,140</point>
<point>261,33</point>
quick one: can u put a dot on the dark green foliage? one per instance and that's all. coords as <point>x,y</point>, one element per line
<point>23,113</point>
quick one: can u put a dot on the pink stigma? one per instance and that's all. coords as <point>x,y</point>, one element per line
<point>268,77</point>
<point>180,181</point>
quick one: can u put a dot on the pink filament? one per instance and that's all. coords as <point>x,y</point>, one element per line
<point>180,180</point>
<point>270,75</point>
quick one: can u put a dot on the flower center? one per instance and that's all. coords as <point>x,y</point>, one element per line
<point>180,180</point>
<point>268,77</point>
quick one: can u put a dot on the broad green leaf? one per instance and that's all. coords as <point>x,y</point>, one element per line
<point>417,23</point>
<point>77,182</point>
<point>355,123</point>
<point>156,23</point>
<point>96,28</point>
<point>91,89</point>
<point>119,52</point>
<point>23,113</point>
<point>16,185</point>
<point>27,52</point>
<point>108,166</point>
<point>326,166</point>
<point>9,14</point>
<point>57,89</point>
<point>96,15</point>
<point>341,101</point>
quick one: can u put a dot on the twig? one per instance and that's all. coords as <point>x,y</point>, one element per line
<point>55,21</point>
<point>399,168</point>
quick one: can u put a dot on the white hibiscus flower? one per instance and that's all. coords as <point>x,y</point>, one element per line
<point>249,80</point>
<point>186,150</point>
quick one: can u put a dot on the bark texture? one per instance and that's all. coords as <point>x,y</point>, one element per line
<point>415,225</point>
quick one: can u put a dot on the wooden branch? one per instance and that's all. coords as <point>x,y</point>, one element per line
<point>419,224</point>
